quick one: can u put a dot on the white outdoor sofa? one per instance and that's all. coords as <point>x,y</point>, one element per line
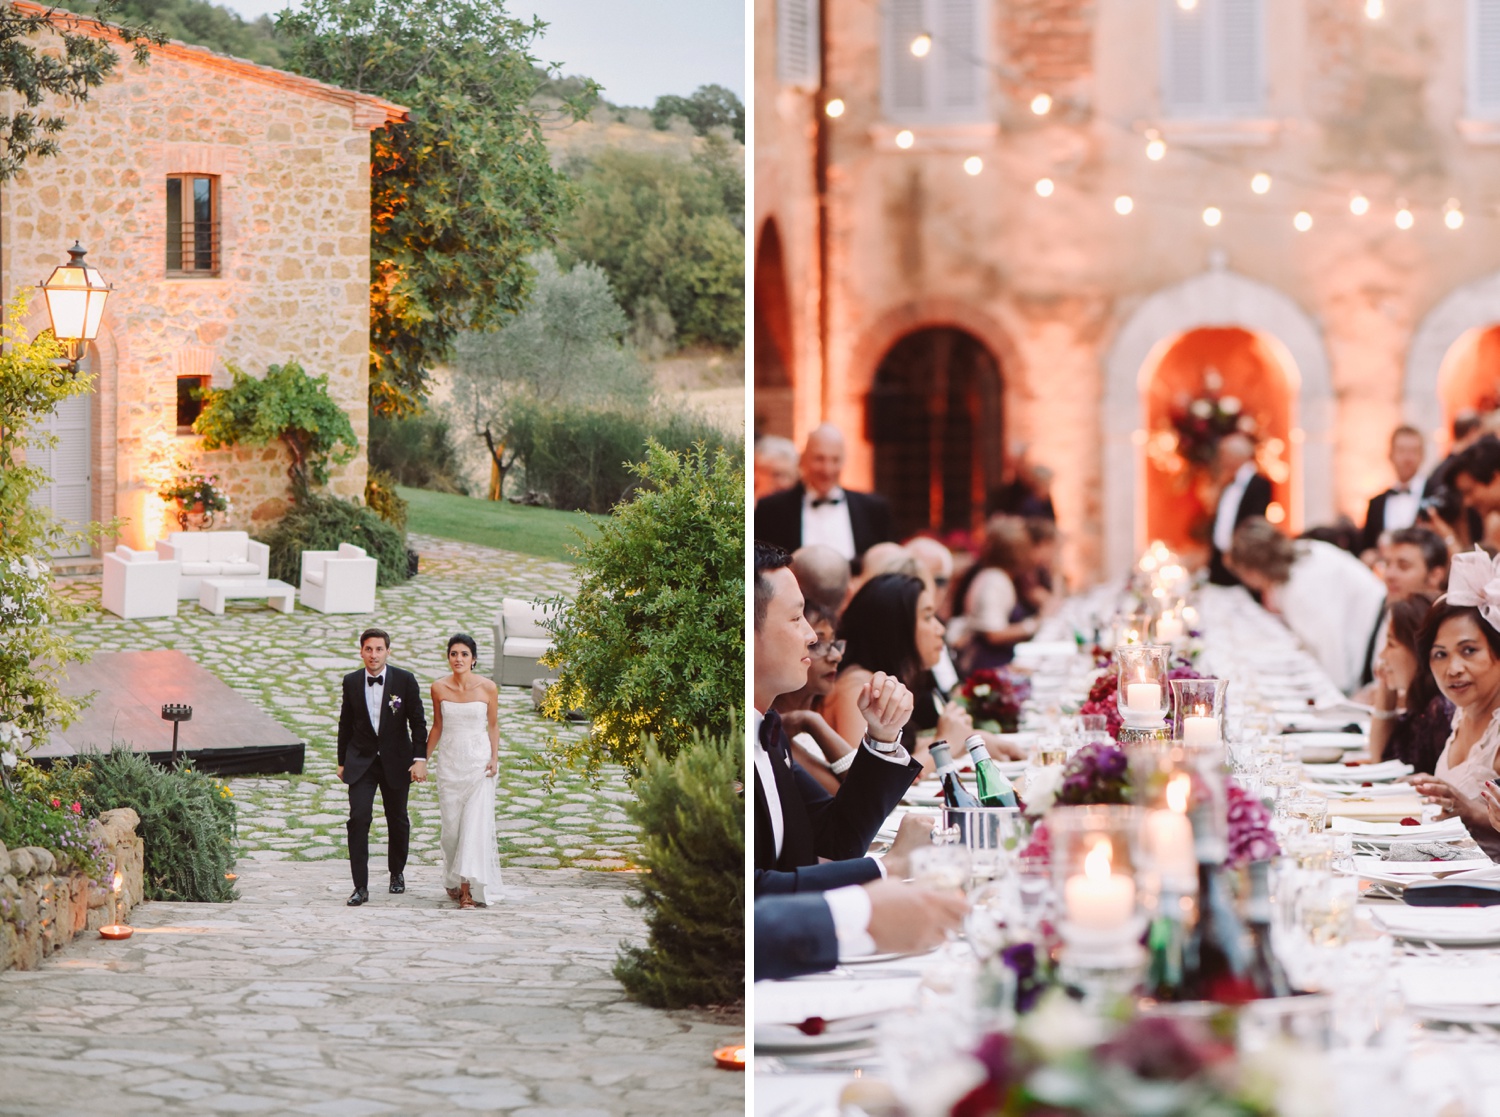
<point>140,584</point>
<point>214,554</point>
<point>520,640</point>
<point>341,581</point>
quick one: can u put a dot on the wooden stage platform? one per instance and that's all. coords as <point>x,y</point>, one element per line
<point>227,736</point>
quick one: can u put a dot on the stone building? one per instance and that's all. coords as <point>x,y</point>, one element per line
<point>982,223</point>
<point>229,205</point>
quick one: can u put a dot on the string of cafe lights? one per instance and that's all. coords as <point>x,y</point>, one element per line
<point>1261,182</point>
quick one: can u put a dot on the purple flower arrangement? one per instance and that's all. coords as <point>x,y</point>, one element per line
<point>1095,774</point>
<point>1250,834</point>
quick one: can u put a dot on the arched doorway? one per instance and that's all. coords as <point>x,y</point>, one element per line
<point>1449,352</point>
<point>1469,379</point>
<point>935,427</point>
<point>1206,383</point>
<point>773,338</point>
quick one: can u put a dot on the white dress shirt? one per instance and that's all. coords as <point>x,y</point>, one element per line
<point>850,908</point>
<point>829,522</point>
<point>1229,505</point>
<point>1402,502</point>
<point>375,694</point>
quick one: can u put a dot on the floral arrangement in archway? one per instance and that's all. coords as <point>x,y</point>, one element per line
<point>1189,438</point>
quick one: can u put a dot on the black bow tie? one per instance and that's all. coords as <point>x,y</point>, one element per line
<point>376,680</point>
<point>772,738</point>
<point>822,500</point>
<point>1400,490</point>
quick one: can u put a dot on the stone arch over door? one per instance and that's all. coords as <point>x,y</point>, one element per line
<point>775,380</point>
<point>1474,306</point>
<point>1215,299</point>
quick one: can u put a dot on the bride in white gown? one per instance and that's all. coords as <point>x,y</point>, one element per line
<point>463,720</point>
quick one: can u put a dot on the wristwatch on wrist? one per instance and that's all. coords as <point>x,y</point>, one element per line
<point>886,747</point>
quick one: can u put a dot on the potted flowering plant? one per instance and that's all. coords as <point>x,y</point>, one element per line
<point>198,497</point>
<point>993,697</point>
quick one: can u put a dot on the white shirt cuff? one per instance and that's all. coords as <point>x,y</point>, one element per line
<point>850,908</point>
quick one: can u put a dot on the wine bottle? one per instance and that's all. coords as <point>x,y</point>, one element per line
<point>1166,941</point>
<point>955,794</point>
<point>1218,952</point>
<point>994,789</point>
<point>1266,970</point>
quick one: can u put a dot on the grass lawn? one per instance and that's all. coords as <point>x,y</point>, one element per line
<point>543,532</point>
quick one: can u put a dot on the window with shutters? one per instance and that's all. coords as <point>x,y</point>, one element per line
<point>1484,58</point>
<point>1213,59</point>
<point>797,54</point>
<point>193,225</point>
<point>950,84</point>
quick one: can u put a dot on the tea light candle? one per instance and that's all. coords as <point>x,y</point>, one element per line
<point>1098,899</point>
<point>1200,730</point>
<point>1169,630</point>
<point>1143,698</point>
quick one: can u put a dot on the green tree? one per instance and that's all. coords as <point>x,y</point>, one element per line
<point>463,192</point>
<point>289,405</point>
<point>710,107</point>
<point>208,25</point>
<point>668,234</point>
<point>653,643</point>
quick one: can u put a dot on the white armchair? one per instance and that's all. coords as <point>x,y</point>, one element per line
<point>341,581</point>
<point>214,554</point>
<point>520,640</point>
<point>140,584</point>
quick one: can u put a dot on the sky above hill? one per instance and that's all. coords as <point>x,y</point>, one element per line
<point>637,49</point>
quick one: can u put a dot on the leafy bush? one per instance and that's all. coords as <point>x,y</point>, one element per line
<point>710,106</point>
<point>417,452</point>
<point>692,823</point>
<point>654,640</point>
<point>187,824</point>
<point>321,523</point>
<point>55,824</point>
<point>579,458</point>
<point>382,498</point>
<point>66,781</point>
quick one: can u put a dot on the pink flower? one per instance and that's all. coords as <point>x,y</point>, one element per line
<point>76,808</point>
<point>57,802</point>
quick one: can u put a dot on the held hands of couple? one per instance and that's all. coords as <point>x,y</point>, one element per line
<point>886,706</point>
<point>419,771</point>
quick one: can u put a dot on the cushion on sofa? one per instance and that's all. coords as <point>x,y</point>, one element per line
<point>125,554</point>
<point>349,550</point>
<point>227,546</point>
<point>313,579</point>
<point>190,546</point>
<point>201,569</point>
<point>523,619</point>
<point>526,646</point>
<point>239,569</point>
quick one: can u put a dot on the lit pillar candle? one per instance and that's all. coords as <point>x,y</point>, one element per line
<point>1200,730</point>
<point>1143,698</point>
<point>1169,630</point>
<point>1097,898</point>
<point>1169,836</point>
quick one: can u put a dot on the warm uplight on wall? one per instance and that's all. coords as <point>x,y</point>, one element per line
<point>1187,5</point>
<point>1302,222</point>
<point>1212,216</point>
<point>973,164</point>
<point>1124,204</point>
<point>1359,205</point>
<point>1041,104</point>
<point>835,108</point>
<point>1404,219</point>
<point>1044,187</point>
<point>904,139</point>
<point>1156,147</point>
<point>1275,512</point>
<point>1374,9</point>
<point>1261,182</point>
<point>1453,216</point>
<point>921,46</point>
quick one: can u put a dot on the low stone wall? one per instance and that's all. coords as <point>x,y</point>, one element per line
<point>42,910</point>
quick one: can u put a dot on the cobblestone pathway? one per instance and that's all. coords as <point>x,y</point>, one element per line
<point>291,667</point>
<point>287,1002</point>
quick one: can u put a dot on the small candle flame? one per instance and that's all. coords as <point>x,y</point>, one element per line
<point>119,882</point>
<point>1178,789</point>
<point>1096,864</point>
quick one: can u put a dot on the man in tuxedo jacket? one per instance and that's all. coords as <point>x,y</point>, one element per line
<point>382,743</point>
<point>817,510</point>
<point>797,822</point>
<point>1246,493</point>
<point>1397,506</point>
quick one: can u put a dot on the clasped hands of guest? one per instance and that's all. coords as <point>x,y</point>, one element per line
<point>886,704</point>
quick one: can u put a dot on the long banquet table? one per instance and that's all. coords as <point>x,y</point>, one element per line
<point>1449,1058</point>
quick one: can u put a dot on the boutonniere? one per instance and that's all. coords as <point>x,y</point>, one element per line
<point>394,703</point>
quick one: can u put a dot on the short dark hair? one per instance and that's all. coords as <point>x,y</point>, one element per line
<point>1480,461</point>
<point>768,557</point>
<point>1430,543</point>
<point>1465,423</point>
<point>1409,431</point>
<point>467,641</point>
<point>371,633</point>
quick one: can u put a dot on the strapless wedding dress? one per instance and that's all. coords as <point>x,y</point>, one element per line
<point>466,797</point>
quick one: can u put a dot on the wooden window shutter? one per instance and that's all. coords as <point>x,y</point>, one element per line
<point>797,34</point>
<point>1185,59</point>
<point>905,74</point>
<point>1213,58</point>
<point>951,83</point>
<point>1484,57</point>
<point>960,51</point>
<point>1241,46</point>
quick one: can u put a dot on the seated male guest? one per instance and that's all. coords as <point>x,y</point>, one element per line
<point>1397,507</point>
<point>818,510</point>
<point>1415,562</point>
<point>1476,475</point>
<point>824,577</point>
<point>1246,492</point>
<point>797,823</point>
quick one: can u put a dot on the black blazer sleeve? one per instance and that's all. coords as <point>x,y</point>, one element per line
<point>1256,500</point>
<point>816,878</point>
<point>346,720</point>
<point>416,718</point>
<point>794,935</point>
<point>845,824</point>
<point>1369,535</point>
<point>778,518</point>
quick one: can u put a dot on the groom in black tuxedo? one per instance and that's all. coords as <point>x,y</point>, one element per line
<point>382,743</point>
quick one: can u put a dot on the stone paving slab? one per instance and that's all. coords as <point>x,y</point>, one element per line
<point>288,1002</point>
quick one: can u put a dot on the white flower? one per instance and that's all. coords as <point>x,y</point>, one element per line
<point>1230,405</point>
<point>1201,408</point>
<point>1041,790</point>
<point>1060,1025</point>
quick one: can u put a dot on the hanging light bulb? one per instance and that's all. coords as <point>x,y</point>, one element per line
<point>1454,219</point>
<point>1156,147</point>
<point>921,46</point>
<point>1041,104</point>
<point>835,108</point>
<point>1359,205</point>
<point>1302,222</point>
<point>904,139</point>
<point>1212,216</point>
<point>1404,219</point>
<point>1124,204</point>
<point>1374,9</point>
<point>1044,187</point>
<point>1261,182</point>
<point>973,164</point>
<point>1187,5</point>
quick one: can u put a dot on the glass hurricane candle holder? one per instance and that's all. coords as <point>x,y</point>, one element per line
<point>1142,694</point>
<point>1178,787</point>
<point>1170,627</point>
<point>1095,856</point>
<point>1133,627</point>
<point>1198,709</point>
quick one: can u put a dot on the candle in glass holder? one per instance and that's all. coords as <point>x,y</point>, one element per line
<point>1169,836</point>
<point>1200,730</point>
<point>1097,898</point>
<point>1169,630</point>
<point>1143,698</point>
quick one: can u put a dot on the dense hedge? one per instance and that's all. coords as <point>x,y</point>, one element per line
<point>321,523</point>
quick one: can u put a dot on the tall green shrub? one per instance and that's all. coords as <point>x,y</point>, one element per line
<point>187,824</point>
<point>321,523</point>
<point>693,891</point>
<point>416,451</point>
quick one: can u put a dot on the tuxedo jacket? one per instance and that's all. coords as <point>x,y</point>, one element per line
<point>1375,520</point>
<point>794,935</point>
<point>402,737</point>
<point>778,519</point>
<point>1254,502</point>
<point>841,826</point>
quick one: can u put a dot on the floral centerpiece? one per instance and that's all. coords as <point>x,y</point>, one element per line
<point>197,496</point>
<point>993,697</point>
<point>1195,425</point>
<point>1250,835</point>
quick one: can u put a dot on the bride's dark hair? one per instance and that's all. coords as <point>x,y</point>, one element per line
<point>467,641</point>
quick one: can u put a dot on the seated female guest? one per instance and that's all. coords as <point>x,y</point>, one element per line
<point>997,612</point>
<point>825,755</point>
<point>1328,598</point>
<point>1412,719</point>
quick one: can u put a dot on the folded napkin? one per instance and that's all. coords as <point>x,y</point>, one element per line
<point>1346,741</point>
<point>1426,869</point>
<point>1409,852</point>
<point>1336,792</point>
<point>1447,830</point>
<point>1363,773</point>
<point>1439,923</point>
<point>1389,809</point>
<point>791,1002</point>
<point>1438,982</point>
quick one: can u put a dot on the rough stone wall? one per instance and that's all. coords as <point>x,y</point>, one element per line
<point>294,206</point>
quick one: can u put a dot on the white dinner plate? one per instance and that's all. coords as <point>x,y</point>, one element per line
<point>1442,926</point>
<point>771,1039</point>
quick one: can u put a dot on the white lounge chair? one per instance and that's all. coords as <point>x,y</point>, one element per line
<point>520,640</point>
<point>140,584</point>
<point>341,581</point>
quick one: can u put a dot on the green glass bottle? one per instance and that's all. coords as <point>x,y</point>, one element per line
<point>994,790</point>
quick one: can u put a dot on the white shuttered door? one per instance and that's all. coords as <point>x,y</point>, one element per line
<point>797,62</point>
<point>1484,57</point>
<point>69,464</point>
<point>1213,58</point>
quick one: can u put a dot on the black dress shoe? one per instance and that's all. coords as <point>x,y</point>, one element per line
<point>398,882</point>
<point>359,896</point>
